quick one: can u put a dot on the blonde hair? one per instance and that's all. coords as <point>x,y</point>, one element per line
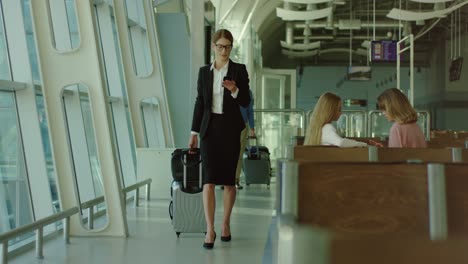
<point>324,112</point>
<point>397,106</point>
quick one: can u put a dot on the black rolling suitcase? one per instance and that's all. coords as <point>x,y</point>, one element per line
<point>257,166</point>
<point>186,206</point>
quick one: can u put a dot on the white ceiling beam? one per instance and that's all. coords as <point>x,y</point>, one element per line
<point>323,24</point>
<point>291,15</point>
<point>337,50</point>
<point>339,38</point>
<point>431,1</point>
<point>264,13</point>
<point>310,46</point>
<point>299,54</point>
<point>406,15</point>
<point>289,32</point>
<point>228,12</point>
<point>308,1</point>
<point>247,22</point>
<point>304,54</point>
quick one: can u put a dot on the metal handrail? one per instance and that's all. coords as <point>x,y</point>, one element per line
<point>136,187</point>
<point>90,206</point>
<point>38,226</point>
<point>91,203</point>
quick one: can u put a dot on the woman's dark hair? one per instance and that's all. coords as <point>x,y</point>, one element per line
<point>222,33</point>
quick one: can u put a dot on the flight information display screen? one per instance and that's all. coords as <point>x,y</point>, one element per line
<point>455,69</point>
<point>384,50</point>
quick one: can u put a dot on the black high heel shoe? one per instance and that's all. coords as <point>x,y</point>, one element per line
<point>226,238</point>
<point>210,245</point>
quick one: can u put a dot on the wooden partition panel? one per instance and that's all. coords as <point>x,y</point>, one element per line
<point>456,184</point>
<point>382,140</point>
<point>401,251</point>
<point>330,153</point>
<point>446,143</point>
<point>465,155</point>
<point>364,198</point>
<point>336,154</point>
<point>423,154</point>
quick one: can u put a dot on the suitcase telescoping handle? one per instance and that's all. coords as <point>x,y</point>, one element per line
<point>253,138</point>
<point>192,164</point>
<point>185,152</point>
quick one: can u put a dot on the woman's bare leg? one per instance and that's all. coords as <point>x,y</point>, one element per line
<point>229,197</point>
<point>209,204</point>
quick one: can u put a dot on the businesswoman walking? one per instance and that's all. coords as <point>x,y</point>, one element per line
<point>222,87</point>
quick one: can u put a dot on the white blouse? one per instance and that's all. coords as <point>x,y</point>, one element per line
<point>330,137</point>
<point>218,89</point>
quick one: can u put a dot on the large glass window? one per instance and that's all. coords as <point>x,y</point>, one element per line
<point>42,117</point>
<point>136,24</point>
<point>82,140</point>
<point>15,202</point>
<point>4,64</point>
<point>32,51</point>
<point>151,118</point>
<point>51,174</point>
<point>64,25</point>
<point>116,89</point>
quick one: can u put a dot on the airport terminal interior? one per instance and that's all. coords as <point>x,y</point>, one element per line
<point>96,95</point>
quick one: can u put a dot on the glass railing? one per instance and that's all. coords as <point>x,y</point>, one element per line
<point>352,123</point>
<point>275,127</point>
<point>379,126</point>
<point>371,124</point>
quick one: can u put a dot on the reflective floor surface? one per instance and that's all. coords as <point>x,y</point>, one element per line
<point>152,239</point>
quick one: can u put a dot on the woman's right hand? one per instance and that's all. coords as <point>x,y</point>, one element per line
<point>375,143</point>
<point>193,142</point>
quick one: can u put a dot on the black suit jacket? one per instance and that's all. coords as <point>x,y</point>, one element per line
<point>202,111</point>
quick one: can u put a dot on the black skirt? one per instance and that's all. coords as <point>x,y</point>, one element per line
<point>220,151</point>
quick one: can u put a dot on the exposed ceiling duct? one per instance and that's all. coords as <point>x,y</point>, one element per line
<point>318,25</point>
<point>312,26</point>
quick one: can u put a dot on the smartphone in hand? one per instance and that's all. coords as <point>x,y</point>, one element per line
<point>227,78</point>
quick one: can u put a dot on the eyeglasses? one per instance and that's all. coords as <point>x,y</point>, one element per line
<point>220,47</point>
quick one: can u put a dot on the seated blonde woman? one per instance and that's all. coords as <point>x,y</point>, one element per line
<point>320,130</point>
<point>405,132</point>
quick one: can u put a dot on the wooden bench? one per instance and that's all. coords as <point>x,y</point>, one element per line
<point>363,198</point>
<point>423,154</point>
<point>456,182</point>
<point>303,245</point>
<point>373,212</point>
<point>329,153</point>
<point>378,198</point>
<point>447,140</point>
<point>447,143</point>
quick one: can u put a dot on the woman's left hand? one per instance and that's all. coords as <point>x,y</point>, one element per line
<point>230,85</point>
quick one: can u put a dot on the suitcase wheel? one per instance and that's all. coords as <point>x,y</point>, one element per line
<point>178,234</point>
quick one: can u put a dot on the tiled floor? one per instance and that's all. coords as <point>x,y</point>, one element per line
<point>152,239</point>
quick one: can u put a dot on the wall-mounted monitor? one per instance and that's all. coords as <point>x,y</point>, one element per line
<point>359,73</point>
<point>384,50</point>
<point>455,69</point>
